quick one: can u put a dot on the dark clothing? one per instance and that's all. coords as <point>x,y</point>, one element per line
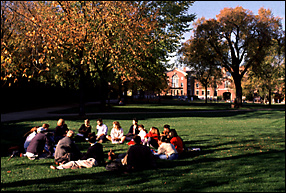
<point>66,151</point>
<point>95,151</point>
<point>38,143</point>
<point>140,157</point>
<point>84,130</point>
<point>131,132</point>
<point>60,132</point>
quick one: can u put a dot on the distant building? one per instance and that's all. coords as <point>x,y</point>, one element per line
<point>184,83</point>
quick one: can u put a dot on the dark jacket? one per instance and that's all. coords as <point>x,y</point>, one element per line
<point>140,157</point>
<point>84,130</point>
<point>130,132</point>
<point>96,152</point>
<point>37,144</point>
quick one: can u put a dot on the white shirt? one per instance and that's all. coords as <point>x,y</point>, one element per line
<point>29,139</point>
<point>167,148</point>
<point>115,133</point>
<point>101,129</point>
<point>142,134</point>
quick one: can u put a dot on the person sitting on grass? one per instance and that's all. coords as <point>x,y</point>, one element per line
<point>176,141</point>
<point>37,145</point>
<point>61,130</point>
<point>95,150</point>
<point>151,139</point>
<point>29,136</point>
<point>83,131</point>
<point>93,157</point>
<point>137,158</point>
<point>166,150</point>
<point>133,130</point>
<point>166,132</point>
<point>67,150</point>
<point>101,131</point>
<point>116,134</point>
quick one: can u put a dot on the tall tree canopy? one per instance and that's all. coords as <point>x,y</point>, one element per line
<point>72,43</point>
<point>239,39</point>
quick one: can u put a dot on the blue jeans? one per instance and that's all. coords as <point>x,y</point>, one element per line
<point>163,156</point>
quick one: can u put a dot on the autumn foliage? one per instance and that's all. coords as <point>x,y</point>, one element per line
<point>75,37</point>
<point>237,40</point>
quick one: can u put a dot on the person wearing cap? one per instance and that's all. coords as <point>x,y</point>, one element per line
<point>36,147</point>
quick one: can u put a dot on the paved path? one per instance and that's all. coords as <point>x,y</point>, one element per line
<point>46,112</point>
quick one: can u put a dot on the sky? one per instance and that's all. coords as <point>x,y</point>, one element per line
<point>209,9</point>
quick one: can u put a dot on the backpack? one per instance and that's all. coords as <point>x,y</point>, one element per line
<point>113,166</point>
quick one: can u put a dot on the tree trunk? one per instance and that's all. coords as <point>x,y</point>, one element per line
<point>269,96</point>
<point>206,94</point>
<point>81,94</point>
<point>238,98</point>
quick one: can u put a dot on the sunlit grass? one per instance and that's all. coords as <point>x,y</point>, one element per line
<point>240,151</point>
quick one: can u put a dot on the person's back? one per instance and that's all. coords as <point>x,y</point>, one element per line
<point>94,151</point>
<point>178,143</point>
<point>66,149</point>
<point>140,157</point>
<point>37,144</point>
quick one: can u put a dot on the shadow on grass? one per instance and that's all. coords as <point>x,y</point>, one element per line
<point>168,170</point>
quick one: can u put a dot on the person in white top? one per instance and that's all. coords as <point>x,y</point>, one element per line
<point>116,134</point>
<point>101,131</point>
<point>142,132</point>
<point>166,150</point>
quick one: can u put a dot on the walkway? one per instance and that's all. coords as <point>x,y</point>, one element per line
<point>46,112</point>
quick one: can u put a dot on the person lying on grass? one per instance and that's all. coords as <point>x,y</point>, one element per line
<point>93,157</point>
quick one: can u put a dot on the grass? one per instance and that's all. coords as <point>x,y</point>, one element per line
<point>241,151</point>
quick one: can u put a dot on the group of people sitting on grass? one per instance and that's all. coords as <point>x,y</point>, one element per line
<point>144,148</point>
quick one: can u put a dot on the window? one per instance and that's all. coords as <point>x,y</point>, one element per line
<point>175,81</point>
<point>182,84</point>
<point>226,84</point>
<point>197,85</point>
<point>203,92</point>
<point>197,92</point>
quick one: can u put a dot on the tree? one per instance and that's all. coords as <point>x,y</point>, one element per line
<point>88,37</point>
<point>239,38</point>
<point>269,75</point>
<point>197,54</point>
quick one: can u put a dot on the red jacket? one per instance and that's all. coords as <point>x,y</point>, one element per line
<point>153,135</point>
<point>178,143</point>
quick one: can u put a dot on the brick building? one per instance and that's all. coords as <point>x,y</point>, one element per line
<point>183,83</point>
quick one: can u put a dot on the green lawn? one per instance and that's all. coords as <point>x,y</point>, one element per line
<point>240,151</point>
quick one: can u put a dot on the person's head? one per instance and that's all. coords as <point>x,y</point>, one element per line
<point>154,130</point>
<point>166,128</point>
<point>91,137</point>
<point>162,139</point>
<point>135,121</point>
<point>70,134</point>
<point>86,122</point>
<point>116,125</point>
<point>137,139</point>
<point>41,129</point>
<point>173,133</point>
<point>99,121</point>
<point>140,127</point>
<point>60,122</point>
<point>46,126</point>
